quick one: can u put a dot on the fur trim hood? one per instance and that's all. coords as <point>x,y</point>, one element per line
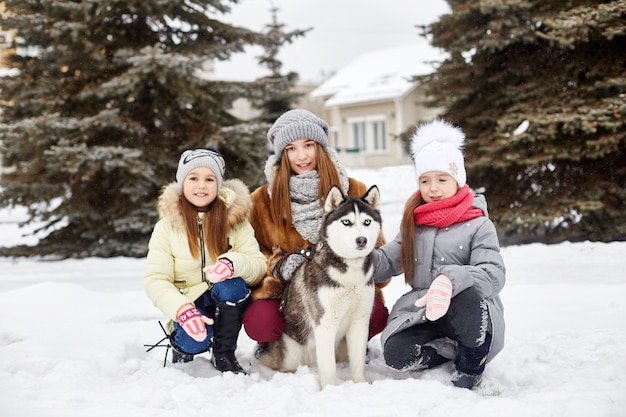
<point>233,192</point>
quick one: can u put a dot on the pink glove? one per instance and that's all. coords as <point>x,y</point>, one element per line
<point>437,299</point>
<point>193,322</point>
<point>219,271</point>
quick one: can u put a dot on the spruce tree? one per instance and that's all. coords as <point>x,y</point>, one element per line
<point>276,94</point>
<point>539,88</point>
<point>107,97</point>
<point>245,144</point>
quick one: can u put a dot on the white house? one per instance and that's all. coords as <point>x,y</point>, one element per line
<point>370,102</point>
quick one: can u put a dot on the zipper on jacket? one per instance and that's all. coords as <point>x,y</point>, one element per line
<point>202,256</point>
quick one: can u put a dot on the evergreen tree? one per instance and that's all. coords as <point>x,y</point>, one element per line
<point>539,88</point>
<point>276,90</point>
<point>245,144</point>
<point>108,96</point>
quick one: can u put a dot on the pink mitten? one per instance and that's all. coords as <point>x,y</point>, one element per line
<point>437,299</point>
<point>193,322</point>
<point>219,271</point>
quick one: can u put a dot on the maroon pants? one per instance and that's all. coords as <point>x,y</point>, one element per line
<point>264,322</point>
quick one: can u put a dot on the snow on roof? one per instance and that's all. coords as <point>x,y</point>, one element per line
<point>379,75</point>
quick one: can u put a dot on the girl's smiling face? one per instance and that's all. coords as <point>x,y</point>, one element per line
<point>435,186</point>
<point>200,187</point>
<point>302,155</point>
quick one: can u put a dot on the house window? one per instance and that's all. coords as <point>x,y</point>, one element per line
<point>334,138</point>
<point>358,136</point>
<point>379,136</point>
<point>369,134</point>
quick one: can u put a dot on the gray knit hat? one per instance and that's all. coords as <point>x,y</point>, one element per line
<point>297,124</point>
<point>195,158</point>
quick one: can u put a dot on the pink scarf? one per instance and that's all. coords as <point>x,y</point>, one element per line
<point>443,213</point>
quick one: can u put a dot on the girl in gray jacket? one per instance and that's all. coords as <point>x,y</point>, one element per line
<point>449,253</point>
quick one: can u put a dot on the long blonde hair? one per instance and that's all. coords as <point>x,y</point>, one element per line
<point>214,227</point>
<point>407,230</point>
<point>280,203</point>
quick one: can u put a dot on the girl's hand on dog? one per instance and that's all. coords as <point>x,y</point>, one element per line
<point>288,266</point>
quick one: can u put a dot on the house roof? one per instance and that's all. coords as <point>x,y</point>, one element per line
<point>379,75</point>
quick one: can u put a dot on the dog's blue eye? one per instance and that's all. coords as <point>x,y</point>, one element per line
<point>346,222</point>
<point>367,222</point>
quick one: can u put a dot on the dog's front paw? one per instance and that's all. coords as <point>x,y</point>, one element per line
<point>270,287</point>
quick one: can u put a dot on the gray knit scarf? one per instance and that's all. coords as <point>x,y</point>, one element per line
<point>306,208</point>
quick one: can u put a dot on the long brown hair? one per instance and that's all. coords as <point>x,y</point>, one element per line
<point>407,229</point>
<point>280,203</point>
<point>214,227</point>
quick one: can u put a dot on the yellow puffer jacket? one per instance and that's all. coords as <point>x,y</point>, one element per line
<point>173,277</point>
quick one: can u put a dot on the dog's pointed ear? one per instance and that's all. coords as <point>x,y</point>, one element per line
<point>333,199</point>
<point>372,197</point>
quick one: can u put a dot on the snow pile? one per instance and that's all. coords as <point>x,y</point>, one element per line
<point>72,336</point>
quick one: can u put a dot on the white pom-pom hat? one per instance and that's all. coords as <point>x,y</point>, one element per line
<point>437,146</point>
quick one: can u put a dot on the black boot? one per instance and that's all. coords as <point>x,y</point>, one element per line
<point>470,364</point>
<point>178,356</point>
<point>228,320</point>
<point>402,355</point>
<point>260,349</point>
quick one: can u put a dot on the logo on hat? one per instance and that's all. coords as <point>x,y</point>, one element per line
<point>194,158</point>
<point>201,153</point>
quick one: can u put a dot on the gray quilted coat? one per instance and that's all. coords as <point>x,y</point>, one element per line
<point>468,253</point>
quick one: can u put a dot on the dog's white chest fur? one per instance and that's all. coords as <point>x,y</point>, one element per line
<point>353,276</point>
<point>351,298</point>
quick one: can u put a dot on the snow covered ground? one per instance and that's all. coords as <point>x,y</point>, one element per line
<point>72,338</point>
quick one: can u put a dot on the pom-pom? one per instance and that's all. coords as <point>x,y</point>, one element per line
<point>436,131</point>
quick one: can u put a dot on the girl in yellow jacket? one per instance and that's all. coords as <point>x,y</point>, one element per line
<point>202,257</point>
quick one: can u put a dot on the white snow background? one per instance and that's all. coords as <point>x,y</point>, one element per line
<point>72,337</point>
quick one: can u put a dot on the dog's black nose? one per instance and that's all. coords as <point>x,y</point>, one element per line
<point>361,242</point>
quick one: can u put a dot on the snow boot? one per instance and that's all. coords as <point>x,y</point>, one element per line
<point>470,364</point>
<point>228,321</point>
<point>417,358</point>
<point>260,349</point>
<point>178,356</point>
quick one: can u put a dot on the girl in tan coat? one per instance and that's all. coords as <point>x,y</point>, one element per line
<point>202,257</point>
<point>287,213</point>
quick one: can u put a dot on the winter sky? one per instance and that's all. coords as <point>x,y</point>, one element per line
<point>341,31</point>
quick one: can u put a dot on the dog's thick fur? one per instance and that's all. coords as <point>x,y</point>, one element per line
<point>329,300</point>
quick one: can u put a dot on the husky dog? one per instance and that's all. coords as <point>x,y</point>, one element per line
<point>329,300</point>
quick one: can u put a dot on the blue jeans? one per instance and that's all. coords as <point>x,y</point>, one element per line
<point>230,290</point>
